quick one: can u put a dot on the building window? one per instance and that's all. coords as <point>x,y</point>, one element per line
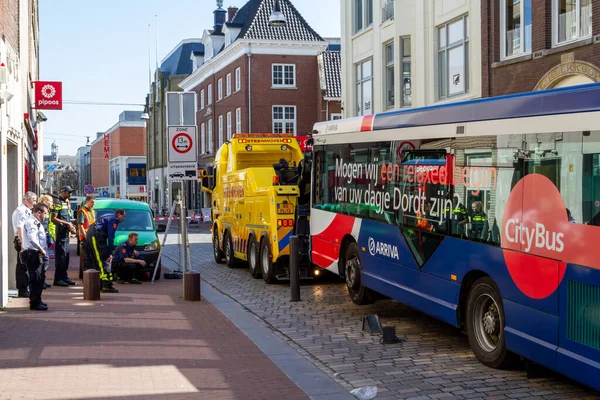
<point>229,128</point>
<point>453,58</point>
<point>203,138</point>
<point>284,75</point>
<point>238,79</point>
<point>284,119</point>
<point>202,99</point>
<point>335,116</point>
<point>516,27</point>
<point>388,62</point>
<point>209,94</point>
<point>220,89</point>
<point>387,11</point>
<point>220,131</point>
<point>363,14</point>
<point>211,139</point>
<point>572,20</point>
<point>405,69</point>
<point>228,85</point>
<point>238,120</point>
<point>364,88</point>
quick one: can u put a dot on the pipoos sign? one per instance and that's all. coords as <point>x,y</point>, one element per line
<point>48,95</point>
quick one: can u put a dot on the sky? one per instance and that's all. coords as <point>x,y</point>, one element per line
<point>102,53</point>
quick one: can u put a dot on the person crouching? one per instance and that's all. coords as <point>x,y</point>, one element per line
<point>125,260</point>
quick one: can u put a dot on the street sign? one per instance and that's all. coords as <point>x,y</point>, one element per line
<point>183,154</point>
<point>88,189</point>
<point>105,193</point>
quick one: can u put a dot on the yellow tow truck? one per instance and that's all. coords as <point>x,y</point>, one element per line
<point>257,182</point>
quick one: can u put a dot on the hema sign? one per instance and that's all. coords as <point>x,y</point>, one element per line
<point>48,95</point>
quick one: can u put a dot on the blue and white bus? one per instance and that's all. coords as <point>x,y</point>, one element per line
<point>484,214</point>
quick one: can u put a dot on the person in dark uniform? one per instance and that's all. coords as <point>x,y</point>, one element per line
<point>61,217</point>
<point>34,250</point>
<point>100,238</point>
<point>125,260</point>
<point>480,228</point>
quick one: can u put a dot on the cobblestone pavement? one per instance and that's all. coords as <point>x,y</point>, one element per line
<point>434,362</point>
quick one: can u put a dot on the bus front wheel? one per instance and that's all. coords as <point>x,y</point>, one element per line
<point>358,293</point>
<point>485,325</point>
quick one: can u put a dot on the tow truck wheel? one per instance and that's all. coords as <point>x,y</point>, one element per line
<point>253,264</point>
<point>216,250</point>
<point>266,262</point>
<point>358,293</point>
<point>229,252</point>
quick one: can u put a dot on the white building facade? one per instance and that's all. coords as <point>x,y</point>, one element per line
<point>21,132</point>
<point>409,53</point>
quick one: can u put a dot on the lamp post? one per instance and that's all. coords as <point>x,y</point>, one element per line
<point>277,19</point>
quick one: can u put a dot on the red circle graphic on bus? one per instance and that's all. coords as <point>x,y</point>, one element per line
<point>533,236</point>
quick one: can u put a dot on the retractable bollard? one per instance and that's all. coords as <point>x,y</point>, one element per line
<point>91,285</point>
<point>294,269</point>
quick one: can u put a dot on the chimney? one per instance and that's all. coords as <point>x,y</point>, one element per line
<point>230,13</point>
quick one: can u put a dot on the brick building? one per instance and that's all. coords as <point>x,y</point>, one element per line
<point>111,153</point>
<point>539,44</point>
<point>256,78</point>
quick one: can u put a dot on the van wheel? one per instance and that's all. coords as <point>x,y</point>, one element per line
<point>229,252</point>
<point>217,252</point>
<point>266,262</point>
<point>358,293</point>
<point>253,256</point>
<point>485,325</point>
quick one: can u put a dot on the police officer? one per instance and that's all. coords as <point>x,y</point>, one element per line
<point>46,200</point>
<point>101,236</point>
<point>86,216</point>
<point>125,260</point>
<point>480,228</point>
<point>61,217</point>
<point>20,215</point>
<point>34,250</point>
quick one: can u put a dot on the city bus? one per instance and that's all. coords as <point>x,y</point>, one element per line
<point>484,214</point>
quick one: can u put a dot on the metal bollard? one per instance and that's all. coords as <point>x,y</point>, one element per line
<point>294,269</point>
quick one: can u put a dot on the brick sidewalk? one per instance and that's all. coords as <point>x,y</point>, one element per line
<point>142,343</point>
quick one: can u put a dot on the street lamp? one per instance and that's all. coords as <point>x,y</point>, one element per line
<point>277,19</point>
<point>145,116</point>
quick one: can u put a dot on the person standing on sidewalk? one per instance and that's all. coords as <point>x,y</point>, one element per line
<point>125,260</point>
<point>20,215</point>
<point>34,250</point>
<point>101,236</point>
<point>61,217</point>
<point>86,216</point>
<point>46,200</point>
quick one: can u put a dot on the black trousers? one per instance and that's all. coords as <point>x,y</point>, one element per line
<point>125,271</point>
<point>21,273</point>
<point>35,267</point>
<point>62,256</point>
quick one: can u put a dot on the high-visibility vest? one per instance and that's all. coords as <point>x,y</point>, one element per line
<point>89,217</point>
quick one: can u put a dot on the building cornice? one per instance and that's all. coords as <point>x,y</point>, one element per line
<point>245,46</point>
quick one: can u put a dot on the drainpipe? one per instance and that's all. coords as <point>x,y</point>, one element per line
<point>249,90</point>
<point>326,110</point>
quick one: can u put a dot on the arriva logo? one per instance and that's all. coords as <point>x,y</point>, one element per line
<point>383,249</point>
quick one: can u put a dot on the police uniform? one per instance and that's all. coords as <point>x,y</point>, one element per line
<point>125,270</point>
<point>100,237</point>
<point>19,217</point>
<point>479,226</point>
<point>61,260</point>
<point>34,241</point>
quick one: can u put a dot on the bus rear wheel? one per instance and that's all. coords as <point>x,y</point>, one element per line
<point>216,250</point>
<point>485,325</point>
<point>358,293</point>
<point>253,264</point>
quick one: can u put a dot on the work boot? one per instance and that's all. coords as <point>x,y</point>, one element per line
<point>61,283</point>
<point>38,307</point>
<point>24,294</point>
<point>135,281</point>
<point>109,288</point>
<point>69,282</point>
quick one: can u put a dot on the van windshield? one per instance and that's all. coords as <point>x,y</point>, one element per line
<point>135,220</point>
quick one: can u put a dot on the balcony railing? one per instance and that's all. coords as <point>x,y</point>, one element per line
<point>387,11</point>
